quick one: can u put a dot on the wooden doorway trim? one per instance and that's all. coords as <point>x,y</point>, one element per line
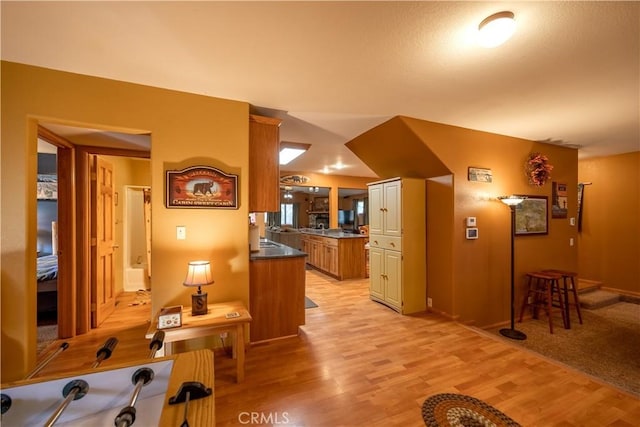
<point>74,242</point>
<point>83,214</point>
<point>66,286</point>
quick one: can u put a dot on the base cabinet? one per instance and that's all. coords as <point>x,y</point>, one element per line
<point>397,240</point>
<point>342,258</point>
<point>276,297</point>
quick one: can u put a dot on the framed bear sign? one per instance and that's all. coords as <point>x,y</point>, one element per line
<point>201,187</point>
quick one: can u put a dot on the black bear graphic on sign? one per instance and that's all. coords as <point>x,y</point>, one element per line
<point>202,187</point>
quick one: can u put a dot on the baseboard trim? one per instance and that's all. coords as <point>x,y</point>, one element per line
<point>622,292</point>
<point>446,315</point>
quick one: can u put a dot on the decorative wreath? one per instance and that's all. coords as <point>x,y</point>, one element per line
<point>538,169</point>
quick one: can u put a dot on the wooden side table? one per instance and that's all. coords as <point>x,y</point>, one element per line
<point>212,323</point>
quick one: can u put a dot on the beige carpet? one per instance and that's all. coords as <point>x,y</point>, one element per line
<point>604,346</point>
<point>46,335</point>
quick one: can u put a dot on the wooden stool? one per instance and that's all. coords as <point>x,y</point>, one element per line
<point>542,288</point>
<point>566,287</point>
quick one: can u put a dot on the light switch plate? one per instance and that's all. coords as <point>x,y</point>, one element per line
<point>181,232</point>
<point>471,221</point>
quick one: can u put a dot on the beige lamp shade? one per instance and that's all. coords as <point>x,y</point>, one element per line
<point>199,274</point>
<point>512,200</point>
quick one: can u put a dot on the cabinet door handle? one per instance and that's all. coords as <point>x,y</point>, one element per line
<point>375,241</point>
<point>392,244</point>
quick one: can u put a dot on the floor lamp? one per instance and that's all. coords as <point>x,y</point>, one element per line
<point>512,202</point>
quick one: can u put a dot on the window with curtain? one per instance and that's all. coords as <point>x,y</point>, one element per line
<point>286,214</point>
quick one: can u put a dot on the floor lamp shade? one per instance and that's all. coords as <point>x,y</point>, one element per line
<point>198,274</point>
<point>512,202</point>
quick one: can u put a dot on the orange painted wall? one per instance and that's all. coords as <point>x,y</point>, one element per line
<point>609,243</point>
<point>186,130</point>
<point>440,214</point>
<point>481,268</point>
<point>470,279</point>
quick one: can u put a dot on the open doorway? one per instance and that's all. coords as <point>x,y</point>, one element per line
<point>137,238</point>
<point>77,260</point>
<point>47,244</point>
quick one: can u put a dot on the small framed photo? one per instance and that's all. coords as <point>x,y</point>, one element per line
<point>480,174</point>
<point>472,233</point>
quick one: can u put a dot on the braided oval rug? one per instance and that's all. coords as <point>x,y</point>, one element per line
<point>458,410</point>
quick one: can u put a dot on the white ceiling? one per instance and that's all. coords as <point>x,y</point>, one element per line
<point>570,75</point>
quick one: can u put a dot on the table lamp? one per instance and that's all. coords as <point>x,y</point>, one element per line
<point>199,274</point>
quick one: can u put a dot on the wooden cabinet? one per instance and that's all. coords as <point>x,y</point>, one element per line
<point>264,166</point>
<point>276,297</point>
<point>329,261</point>
<point>315,253</point>
<point>397,240</point>
<point>386,277</point>
<point>343,258</point>
<point>385,207</point>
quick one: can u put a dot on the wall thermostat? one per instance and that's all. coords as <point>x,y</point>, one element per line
<point>472,233</point>
<point>471,221</point>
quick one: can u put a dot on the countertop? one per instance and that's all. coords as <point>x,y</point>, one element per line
<point>333,233</point>
<point>272,250</point>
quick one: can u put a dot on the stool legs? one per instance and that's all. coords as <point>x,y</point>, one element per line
<point>576,302</point>
<point>555,288</point>
<point>542,289</point>
<point>569,288</point>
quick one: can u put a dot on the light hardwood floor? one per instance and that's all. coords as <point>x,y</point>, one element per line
<point>358,363</point>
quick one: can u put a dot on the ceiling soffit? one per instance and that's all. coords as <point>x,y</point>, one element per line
<point>392,149</point>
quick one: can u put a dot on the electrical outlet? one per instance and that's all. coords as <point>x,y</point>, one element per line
<point>571,241</point>
<point>429,302</point>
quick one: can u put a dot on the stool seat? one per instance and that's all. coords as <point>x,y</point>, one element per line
<point>542,287</point>
<point>546,275</point>
<point>562,272</point>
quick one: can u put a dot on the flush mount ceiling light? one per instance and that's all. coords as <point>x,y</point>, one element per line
<point>496,29</point>
<point>291,150</point>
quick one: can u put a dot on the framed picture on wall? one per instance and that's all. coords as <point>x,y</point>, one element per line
<point>479,174</point>
<point>47,187</point>
<point>201,187</point>
<point>532,216</point>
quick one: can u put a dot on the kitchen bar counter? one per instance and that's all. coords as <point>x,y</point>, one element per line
<point>334,252</point>
<point>272,250</point>
<point>276,291</point>
<point>333,233</point>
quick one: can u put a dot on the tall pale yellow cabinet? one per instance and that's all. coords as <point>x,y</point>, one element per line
<point>397,240</point>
